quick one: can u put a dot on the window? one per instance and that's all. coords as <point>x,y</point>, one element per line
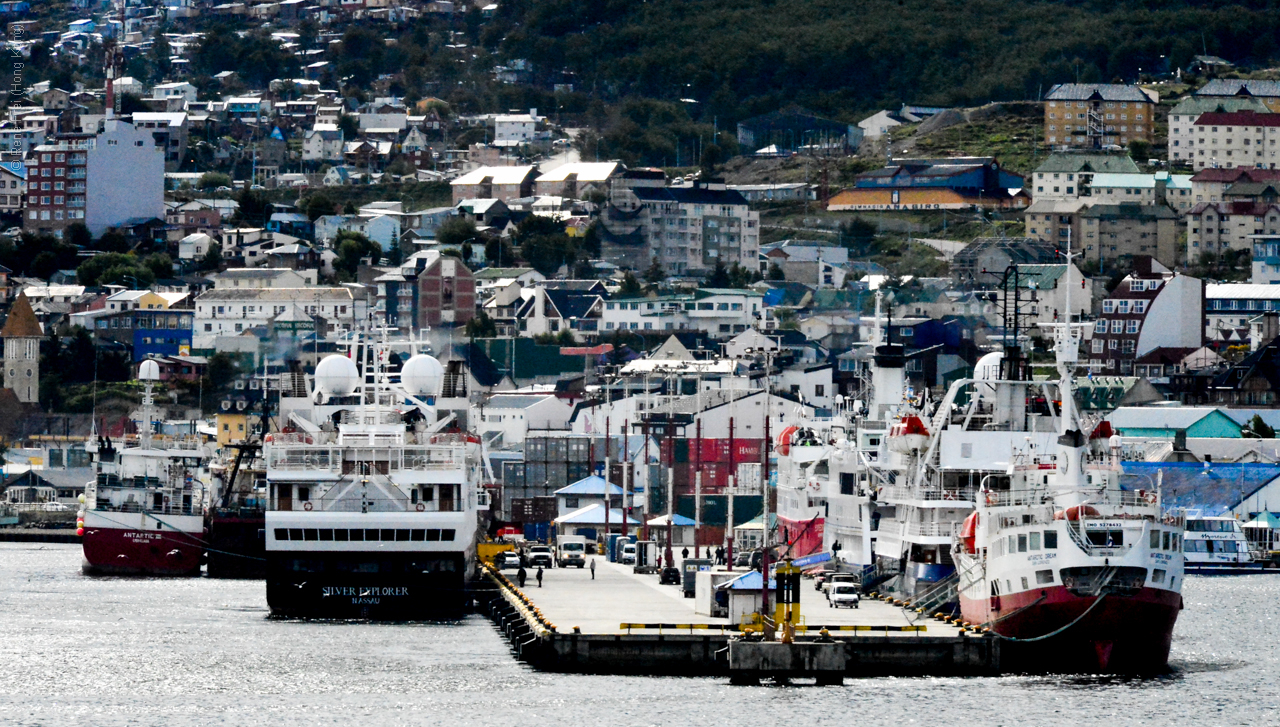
<point>1044,577</point>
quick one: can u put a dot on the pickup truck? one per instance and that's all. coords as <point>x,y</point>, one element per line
<point>539,555</point>
<point>838,578</point>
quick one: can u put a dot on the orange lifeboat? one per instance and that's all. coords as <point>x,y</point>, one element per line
<point>1076,512</point>
<point>783,443</point>
<point>908,434</point>
<point>969,533</point>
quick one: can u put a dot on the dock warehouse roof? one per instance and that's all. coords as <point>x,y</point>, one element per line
<point>593,485</point>
<point>594,515</point>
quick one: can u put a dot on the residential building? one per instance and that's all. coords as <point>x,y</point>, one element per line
<point>1160,188</point>
<point>1110,232</point>
<point>324,143</point>
<point>1267,92</point>
<point>1228,308</point>
<point>21,140</point>
<point>1151,308</point>
<point>230,311</point>
<point>518,128</point>
<point>428,290</point>
<point>177,90</point>
<point>1069,175</point>
<point>985,259</point>
<point>504,183</point>
<point>242,278</point>
<point>925,184</point>
<point>1182,119</point>
<point>816,263</point>
<point>13,186</point>
<point>1216,227</point>
<point>170,130</point>
<point>1238,139</point>
<point>382,229</point>
<point>1266,259</point>
<point>720,313</point>
<point>578,309</point>
<point>1211,184</point>
<point>103,181</point>
<point>687,228</point>
<point>1098,115</point>
<point>576,179</point>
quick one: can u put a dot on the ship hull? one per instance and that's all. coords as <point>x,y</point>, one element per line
<point>237,546</point>
<point>804,536</point>
<point>137,544</point>
<point>1124,634</point>
<point>360,585</point>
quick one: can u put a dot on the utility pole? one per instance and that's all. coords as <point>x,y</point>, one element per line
<point>697,490</point>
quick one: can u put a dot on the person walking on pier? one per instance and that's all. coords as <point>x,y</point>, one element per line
<point>593,569</point>
<point>684,554</point>
<point>522,575</point>
<point>539,575</point>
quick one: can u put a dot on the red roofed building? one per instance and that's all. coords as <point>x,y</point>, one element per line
<point>1237,139</point>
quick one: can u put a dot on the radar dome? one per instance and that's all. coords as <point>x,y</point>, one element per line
<point>422,375</point>
<point>336,375</point>
<point>988,367</point>
<point>149,371</point>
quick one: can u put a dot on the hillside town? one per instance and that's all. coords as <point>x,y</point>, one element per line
<point>237,234</point>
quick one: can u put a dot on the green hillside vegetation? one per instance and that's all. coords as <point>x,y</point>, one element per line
<point>738,58</point>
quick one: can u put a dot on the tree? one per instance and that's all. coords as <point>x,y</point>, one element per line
<point>349,127</point>
<point>630,287</point>
<point>213,180</point>
<point>718,277</point>
<point>212,260</point>
<point>498,252</point>
<point>482,326</point>
<point>544,244</point>
<point>112,241</point>
<point>1260,428</point>
<point>712,157</point>
<point>352,248</point>
<point>219,373</point>
<point>254,208</point>
<point>1140,150</point>
<point>160,265</point>
<point>655,274</point>
<point>455,231</point>
<point>78,234</point>
<point>775,272</point>
<point>317,205</point>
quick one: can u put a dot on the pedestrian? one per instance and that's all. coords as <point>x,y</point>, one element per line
<point>522,575</point>
<point>593,569</point>
<point>539,576</point>
<point>684,554</point>
<point>720,555</point>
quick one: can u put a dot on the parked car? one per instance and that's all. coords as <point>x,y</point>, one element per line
<point>509,559</point>
<point>55,507</point>
<point>818,580</point>
<point>843,594</point>
<point>835,578</point>
<point>540,555</point>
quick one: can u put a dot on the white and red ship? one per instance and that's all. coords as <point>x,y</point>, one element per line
<point>144,512</point>
<point>1072,572</point>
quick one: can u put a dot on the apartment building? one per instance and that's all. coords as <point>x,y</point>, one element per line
<point>719,313</point>
<point>1182,119</point>
<point>687,228</point>
<point>102,181</point>
<point>1109,232</point>
<point>1151,308</point>
<point>504,183</point>
<point>1098,115</point>
<point>1249,209</point>
<point>428,291</point>
<point>1228,308</point>
<point>13,186</point>
<point>231,311</point>
<point>1221,89</point>
<point>1238,139</point>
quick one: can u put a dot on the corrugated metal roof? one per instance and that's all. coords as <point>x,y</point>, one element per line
<point>1241,291</point>
<point>1104,91</point>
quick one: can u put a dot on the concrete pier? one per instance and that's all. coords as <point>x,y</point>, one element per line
<point>576,624</point>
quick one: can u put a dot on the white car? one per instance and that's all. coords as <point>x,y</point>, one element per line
<point>629,554</point>
<point>843,594</point>
<point>509,559</point>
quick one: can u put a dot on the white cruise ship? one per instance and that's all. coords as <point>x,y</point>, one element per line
<point>374,501</point>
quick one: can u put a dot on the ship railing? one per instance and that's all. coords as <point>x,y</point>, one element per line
<point>901,493</point>
<point>327,458</point>
<point>108,506</point>
<point>1102,461</point>
<point>1003,498</point>
<point>354,503</point>
<point>929,530</point>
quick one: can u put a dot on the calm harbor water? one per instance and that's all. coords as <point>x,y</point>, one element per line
<point>111,651</point>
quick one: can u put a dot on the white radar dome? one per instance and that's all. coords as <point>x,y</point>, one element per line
<point>149,371</point>
<point>988,367</point>
<point>336,375</point>
<point>422,375</point>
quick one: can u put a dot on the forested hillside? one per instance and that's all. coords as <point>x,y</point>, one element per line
<point>743,57</point>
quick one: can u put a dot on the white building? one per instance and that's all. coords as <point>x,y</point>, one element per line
<point>228,312</point>
<point>515,127</point>
<point>323,143</point>
<point>513,414</point>
<point>1145,189</point>
<point>1182,119</point>
<point>382,229</point>
<point>720,313</point>
<point>124,178</point>
<point>1230,306</point>
<point>1239,139</point>
<point>233,278</point>
<point>179,90</point>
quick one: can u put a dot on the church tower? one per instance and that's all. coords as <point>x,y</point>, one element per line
<point>22,336</point>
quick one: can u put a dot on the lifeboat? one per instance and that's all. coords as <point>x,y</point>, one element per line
<point>1076,512</point>
<point>969,533</point>
<point>908,434</point>
<point>783,443</point>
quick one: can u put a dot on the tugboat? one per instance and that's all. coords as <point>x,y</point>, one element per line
<point>373,507</point>
<point>143,513</point>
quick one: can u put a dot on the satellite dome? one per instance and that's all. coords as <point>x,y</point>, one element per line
<point>149,371</point>
<point>988,367</point>
<point>336,375</point>
<point>422,375</point>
